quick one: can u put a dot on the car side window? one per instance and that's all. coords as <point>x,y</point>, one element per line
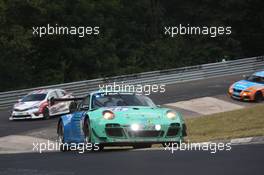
<point>53,95</point>
<point>60,93</point>
<point>262,80</point>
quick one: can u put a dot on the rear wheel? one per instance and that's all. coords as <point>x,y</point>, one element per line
<point>258,96</point>
<point>46,114</point>
<point>142,145</point>
<point>63,147</point>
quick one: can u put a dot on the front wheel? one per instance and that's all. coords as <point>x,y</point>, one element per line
<point>258,97</point>
<point>46,114</point>
<point>87,137</point>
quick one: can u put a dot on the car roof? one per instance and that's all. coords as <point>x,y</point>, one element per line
<point>42,91</point>
<point>260,74</point>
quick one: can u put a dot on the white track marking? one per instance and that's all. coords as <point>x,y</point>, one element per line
<point>203,106</point>
<point>242,140</point>
<point>206,105</point>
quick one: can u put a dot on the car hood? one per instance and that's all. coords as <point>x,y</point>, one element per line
<point>26,105</point>
<point>136,114</point>
<point>244,84</point>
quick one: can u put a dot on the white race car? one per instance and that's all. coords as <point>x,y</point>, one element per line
<point>37,105</point>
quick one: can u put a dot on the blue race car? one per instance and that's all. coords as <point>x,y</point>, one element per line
<point>250,89</point>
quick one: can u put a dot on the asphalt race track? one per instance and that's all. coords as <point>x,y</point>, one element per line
<point>174,92</point>
<point>242,160</point>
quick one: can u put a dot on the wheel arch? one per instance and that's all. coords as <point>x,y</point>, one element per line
<point>86,117</point>
<point>260,93</point>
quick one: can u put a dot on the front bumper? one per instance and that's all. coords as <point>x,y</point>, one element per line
<point>242,96</point>
<point>116,134</point>
<point>22,115</point>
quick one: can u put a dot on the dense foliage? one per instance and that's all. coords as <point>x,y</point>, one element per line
<point>131,37</point>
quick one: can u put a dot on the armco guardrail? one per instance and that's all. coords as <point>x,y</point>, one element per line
<point>170,76</point>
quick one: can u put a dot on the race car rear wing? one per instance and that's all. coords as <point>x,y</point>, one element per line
<point>75,99</point>
<point>68,99</point>
<point>73,105</point>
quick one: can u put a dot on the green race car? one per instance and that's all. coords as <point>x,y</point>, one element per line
<point>119,119</point>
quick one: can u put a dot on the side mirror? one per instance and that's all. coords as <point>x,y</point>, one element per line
<point>19,100</point>
<point>158,106</point>
<point>84,108</point>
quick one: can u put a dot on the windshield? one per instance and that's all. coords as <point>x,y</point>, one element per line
<point>34,97</point>
<point>256,79</point>
<point>110,100</point>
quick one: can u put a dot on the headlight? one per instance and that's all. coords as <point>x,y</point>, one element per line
<point>231,90</point>
<point>108,115</point>
<point>135,127</point>
<point>158,127</point>
<point>171,115</point>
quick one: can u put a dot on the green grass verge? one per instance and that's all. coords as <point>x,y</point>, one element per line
<point>235,124</point>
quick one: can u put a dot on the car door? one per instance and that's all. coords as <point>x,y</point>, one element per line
<point>63,106</point>
<point>53,108</point>
<point>78,120</point>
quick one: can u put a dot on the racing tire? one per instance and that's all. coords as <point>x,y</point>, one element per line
<point>63,147</point>
<point>258,97</point>
<point>87,137</point>
<point>46,114</point>
<point>141,146</point>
